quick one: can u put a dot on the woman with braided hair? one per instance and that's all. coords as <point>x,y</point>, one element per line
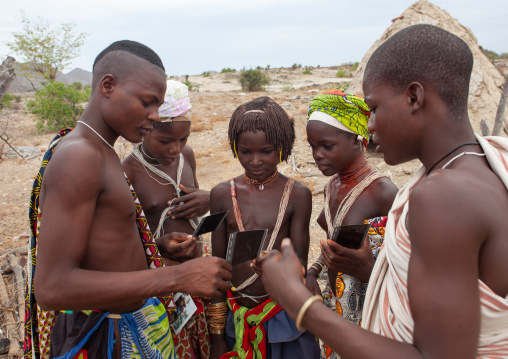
<point>337,133</point>
<point>248,323</point>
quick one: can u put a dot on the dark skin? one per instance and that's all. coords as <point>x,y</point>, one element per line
<point>89,212</point>
<point>259,210</point>
<point>335,150</point>
<point>455,224</point>
<point>164,144</point>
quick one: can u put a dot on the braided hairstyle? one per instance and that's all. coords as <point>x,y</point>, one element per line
<point>265,115</point>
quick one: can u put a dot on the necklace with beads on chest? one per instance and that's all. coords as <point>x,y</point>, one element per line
<point>261,184</point>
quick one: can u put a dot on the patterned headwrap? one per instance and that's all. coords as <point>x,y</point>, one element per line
<point>176,103</point>
<point>342,110</point>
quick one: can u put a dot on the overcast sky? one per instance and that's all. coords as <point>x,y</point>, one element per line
<point>193,36</point>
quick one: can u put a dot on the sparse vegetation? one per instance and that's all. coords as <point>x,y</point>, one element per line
<point>307,72</point>
<point>206,74</point>
<point>44,49</point>
<point>227,69</point>
<point>8,99</point>
<point>491,54</point>
<point>77,85</point>
<point>253,80</point>
<point>355,66</point>
<point>288,87</point>
<point>58,106</point>
<point>188,83</point>
<point>296,66</point>
<point>341,73</point>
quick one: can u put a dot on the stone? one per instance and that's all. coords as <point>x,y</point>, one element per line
<point>486,80</point>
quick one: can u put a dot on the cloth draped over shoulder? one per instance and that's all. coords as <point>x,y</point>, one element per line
<point>348,110</point>
<point>39,323</point>
<point>386,310</point>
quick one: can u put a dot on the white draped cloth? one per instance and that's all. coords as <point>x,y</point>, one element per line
<point>386,310</point>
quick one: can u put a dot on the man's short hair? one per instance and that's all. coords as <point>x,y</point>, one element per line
<point>133,47</point>
<point>426,54</point>
<point>112,60</point>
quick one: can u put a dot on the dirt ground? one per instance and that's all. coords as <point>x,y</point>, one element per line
<point>218,96</point>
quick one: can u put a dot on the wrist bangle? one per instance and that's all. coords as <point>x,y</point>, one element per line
<point>216,331</point>
<point>304,309</point>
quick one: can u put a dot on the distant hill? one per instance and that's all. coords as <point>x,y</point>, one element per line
<point>22,84</point>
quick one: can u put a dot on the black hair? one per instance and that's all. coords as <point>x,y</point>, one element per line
<point>429,55</point>
<point>133,47</point>
<point>265,115</point>
<point>114,60</point>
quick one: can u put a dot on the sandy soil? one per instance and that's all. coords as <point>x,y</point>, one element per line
<point>217,98</point>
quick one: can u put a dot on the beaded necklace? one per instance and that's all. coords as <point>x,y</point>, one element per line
<point>260,184</point>
<point>352,174</point>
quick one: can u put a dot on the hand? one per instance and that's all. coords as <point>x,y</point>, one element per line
<point>196,203</point>
<point>284,274</point>
<point>257,263</point>
<point>355,262</point>
<point>205,276</point>
<point>218,346</point>
<point>178,246</point>
<point>311,282</point>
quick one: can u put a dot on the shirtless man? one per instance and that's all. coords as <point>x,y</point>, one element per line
<point>439,287</point>
<point>89,254</point>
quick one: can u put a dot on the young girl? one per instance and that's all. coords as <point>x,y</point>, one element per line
<point>261,135</point>
<point>162,170</point>
<point>337,133</point>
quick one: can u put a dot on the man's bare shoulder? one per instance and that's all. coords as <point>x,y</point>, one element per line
<point>462,204</point>
<point>75,157</point>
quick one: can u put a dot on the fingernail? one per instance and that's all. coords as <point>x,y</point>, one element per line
<point>286,242</point>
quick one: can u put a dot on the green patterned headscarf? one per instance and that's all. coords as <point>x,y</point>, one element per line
<point>350,110</point>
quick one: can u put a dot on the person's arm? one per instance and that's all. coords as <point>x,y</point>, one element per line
<point>442,285</point>
<point>312,274</point>
<point>219,247</point>
<point>71,190</point>
<point>196,201</point>
<point>300,221</point>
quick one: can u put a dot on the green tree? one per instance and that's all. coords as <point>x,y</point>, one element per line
<point>253,80</point>
<point>44,49</point>
<point>58,106</point>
